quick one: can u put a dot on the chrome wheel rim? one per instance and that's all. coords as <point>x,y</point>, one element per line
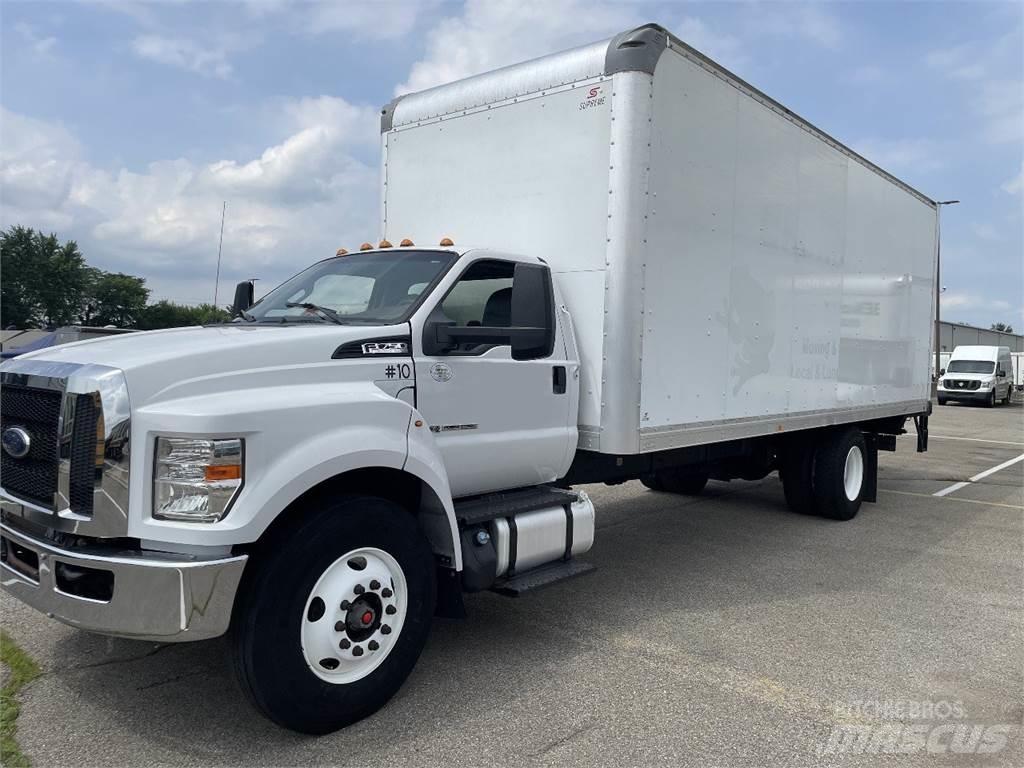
<point>354,615</point>
<point>853,473</point>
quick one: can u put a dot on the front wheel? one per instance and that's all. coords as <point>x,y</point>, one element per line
<point>332,618</point>
<point>991,401</point>
<point>942,401</point>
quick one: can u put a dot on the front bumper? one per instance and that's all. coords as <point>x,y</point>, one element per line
<point>140,594</point>
<point>965,395</point>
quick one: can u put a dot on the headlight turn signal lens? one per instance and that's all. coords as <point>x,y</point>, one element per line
<point>196,479</point>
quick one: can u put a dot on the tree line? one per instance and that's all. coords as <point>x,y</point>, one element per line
<point>45,283</point>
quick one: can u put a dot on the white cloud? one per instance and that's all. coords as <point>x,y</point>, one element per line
<point>494,33</point>
<point>209,60</point>
<point>723,48</point>
<point>809,22</point>
<point>37,165</point>
<point>1016,184</point>
<point>1001,104</point>
<point>902,155</point>
<point>989,69</point>
<point>960,62</point>
<point>387,20</point>
<point>986,231</point>
<point>42,45</point>
<point>295,202</point>
<point>866,74</point>
<point>964,301</point>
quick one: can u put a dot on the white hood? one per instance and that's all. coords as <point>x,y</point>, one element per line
<point>171,363</point>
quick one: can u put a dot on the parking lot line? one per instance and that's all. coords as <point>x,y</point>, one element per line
<point>980,476</point>
<point>974,440</point>
<point>953,498</point>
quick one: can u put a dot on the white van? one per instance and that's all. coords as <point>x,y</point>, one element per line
<point>977,374</point>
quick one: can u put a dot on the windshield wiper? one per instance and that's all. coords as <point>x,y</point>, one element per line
<point>330,314</point>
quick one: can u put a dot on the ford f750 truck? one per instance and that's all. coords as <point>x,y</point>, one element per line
<point>617,262</point>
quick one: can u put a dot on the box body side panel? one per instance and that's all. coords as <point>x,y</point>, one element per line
<point>784,280</point>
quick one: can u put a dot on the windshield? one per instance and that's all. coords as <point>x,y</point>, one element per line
<point>971,366</point>
<point>374,288</point>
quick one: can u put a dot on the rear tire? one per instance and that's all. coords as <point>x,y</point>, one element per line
<point>277,620</point>
<point>840,468</point>
<point>1009,396</point>
<point>797,474</point>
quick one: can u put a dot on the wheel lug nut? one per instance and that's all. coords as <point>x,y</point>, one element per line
<point>359,589</point>
<point>373,645</point>
<point>345,605</point>
<point>345,644</point>
<point>339,626</point>
<point>386,592</point>
<point>374,584</point>
<point>385,629</point>
<point>357,651</point>
<point>390,610</point>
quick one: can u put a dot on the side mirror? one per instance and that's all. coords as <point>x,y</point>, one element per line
<point>244,293</point>
<point>533,311</point>
<point>942,371</point>
<point>1000,372</point>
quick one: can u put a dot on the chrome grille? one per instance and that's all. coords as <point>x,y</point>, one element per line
<point>86,467</point>
<point>37,411</point>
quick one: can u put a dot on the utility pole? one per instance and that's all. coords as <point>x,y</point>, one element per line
<point>220,245</point>
<point>938,282</point>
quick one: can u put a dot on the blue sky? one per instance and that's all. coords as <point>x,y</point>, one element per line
<point>125,125</point>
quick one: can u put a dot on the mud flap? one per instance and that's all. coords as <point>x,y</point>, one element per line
<point>921,423</point>
<point>870,468</point>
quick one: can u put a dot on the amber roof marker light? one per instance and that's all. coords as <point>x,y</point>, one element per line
<point>341,252</point>
<point>406,243</point>
<point>385,244</point>
<point>366,247</point>
<point>446,242</point>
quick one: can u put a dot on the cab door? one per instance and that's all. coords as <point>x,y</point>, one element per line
<point>492,378</point>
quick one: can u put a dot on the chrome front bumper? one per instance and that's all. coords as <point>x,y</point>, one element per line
<point>152,595</point>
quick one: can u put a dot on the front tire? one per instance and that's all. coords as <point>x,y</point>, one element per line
<point>355,574</point>
<point>991,402</point>
<point>942,401</point>
<point>840,471</point>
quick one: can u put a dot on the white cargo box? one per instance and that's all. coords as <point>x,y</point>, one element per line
<point>731,270</point>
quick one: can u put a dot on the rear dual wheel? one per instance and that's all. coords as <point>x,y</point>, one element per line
<point>826,476</point>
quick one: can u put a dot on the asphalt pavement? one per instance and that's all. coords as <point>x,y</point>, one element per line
<point>717,630</point>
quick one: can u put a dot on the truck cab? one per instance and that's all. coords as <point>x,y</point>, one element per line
<point>136,490</point>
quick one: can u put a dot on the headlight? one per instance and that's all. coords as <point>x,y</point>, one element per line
<point>196,479</point>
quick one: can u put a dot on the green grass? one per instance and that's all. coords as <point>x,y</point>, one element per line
<point>22,671</point>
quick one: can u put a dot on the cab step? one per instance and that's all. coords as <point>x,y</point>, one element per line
<point>544,576</point>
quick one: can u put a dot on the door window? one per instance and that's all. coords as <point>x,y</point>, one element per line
<point>482,296</point>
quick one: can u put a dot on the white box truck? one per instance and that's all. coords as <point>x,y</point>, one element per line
<point>658,273</point>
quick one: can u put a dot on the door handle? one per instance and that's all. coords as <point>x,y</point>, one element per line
<point>558,380</point>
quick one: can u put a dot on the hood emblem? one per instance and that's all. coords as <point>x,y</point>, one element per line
<point>16,442</point>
